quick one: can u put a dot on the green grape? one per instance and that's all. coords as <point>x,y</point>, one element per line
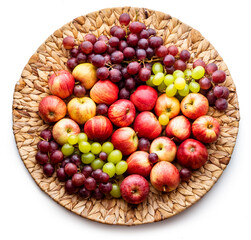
<point>184,92</point>
<point>84,147</point>
<point>158,78</point>
<point>150,81</point>
<point>109,168</point>
<point>169,79</point>
<point>121,167</point>
<point>194,87</point>
<point>178,74</point>
<point>157,67</point>
<point>67,149</point>
<point>107,147</point>
<point>163,119</point>
<point>179,83</point>
<point>115,156</point>
<point>115,191</point>
<point>162,87</point>
<point>188,73</point>
<point>97,164</point>
<point>171,90</point>
<point>96,148</point>
<point>73,139</point>
<point>198,72</point>
<point>87,158</point>
<point>82,137</point>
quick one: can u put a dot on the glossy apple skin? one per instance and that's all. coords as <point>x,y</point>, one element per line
<point>206,129</point>
<point>165,148</point>
<point>98,128</point>
<point>61,84</point>
<point>192,154</point>
<point>122,113</point>
<point>104,91</point>
<point>125,140</point>
<point>81,109</point>
<point>165,176</point>
<point>147,125</point>
<point>144,98</point>
<point>168,105</point>
<point>194,105</point>
<point>86,74</point>
<point>178,128</point>
<point>134,189</point>
<point>52,109</point>
<point>138,163</point>
<point>63,129</point>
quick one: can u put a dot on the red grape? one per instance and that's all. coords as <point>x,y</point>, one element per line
<point>135,27</point>
<point>211,98</point>
<point>199,62</point>
<point>118,67</point>
<point>132,40</point>
<point>75,158</point>
<point>221,104</point>
<point>96,174</point>
<point>161,51</point>
<point>72,63</point>
<point>103,156</point>
<point>225,92</point>
<point>79,91</point>
<point>143,26</point>
<point>144,74</point>
<point>86,47</point>
<point>84,193</point>
<point>125,74</point>
<point>151,32</point>
<point>169,60</point>
<point>143,43</point>
<point>99,47</point>
<point>144,144</point>
<point>185,55</point>
<point>65,161</point>
<point>129,52</point>
<point>110,49</point>
<point>74,52</point>
<point>141,54</point>
<point>130,83</point>
<point>205,83</point>
<point>211,68</point>
<point>90,183</point>
<point>68,42</point>
<point>41,158</point>
<point>113,29</point>
<point>149,52</point>
<point>43,146</point>
<point>56,157</point>
<point>153,158</point>
<point>98,60</point>
<point>103,38</point>
<point>102,109</point>
<point>180,65</point>
<point>102,73</point>
<point>78,179</point>
<point>53,146</point>
<point>115,75</point>
<point>81,58</point>
<point>105,187</point>
<point>149,66</point>
<point>144,34</point>
<point>90,56</point>
<point>218,76</point>
<point>117,57</point>
<point>113,41</point>
<point>97,194</point>
<point>69,187</point>
<point>120,33</point>
<point>104,177</point>
<point>218,91</point>
<point>124,19</point>
<point>90,37</point>
<point>155,42</point>
<point>169,70</point>
<point>48,169</point>
<point>87,170</point>
<point>173,50</point>
<point>185,174</point>
<point>61,175</point>
<point>107,58</point>
<point>122,45</point>
<point>46,135</point>
<point>124,94</point>
<point>133,68</point>
<point>70,169</point>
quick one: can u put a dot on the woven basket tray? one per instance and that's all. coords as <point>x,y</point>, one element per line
<point>27,124</point>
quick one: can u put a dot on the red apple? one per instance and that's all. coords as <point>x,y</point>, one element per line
<point>81,109</point>
<point>104,91</point>
<point>125,140</point>
<point>86,74</point>
<point>63,129</point>
<point>147,125</point>
<point>194,105</point>
<point>206,129</point>
<point>168,105</point>
<point>52,109</point>
<point>192,154</point>
<point>178,128</point>
<point>144,98</point>
<point>165,176</point>
<point>138,163</point>
<point>98,128</point>
<point>122,113</point>
<point>61,84</point>
<point>165,148</point>
<point>134,189</point>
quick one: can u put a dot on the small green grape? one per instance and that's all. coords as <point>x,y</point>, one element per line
<point>96,148</point>
<point>157,67</point>
<point>194,87</point>
<point>169,79</point>
<point>179,83</point>
<point>158,78</point>
<point>115,191</point>
<point>97,164</point>
<point>163,119</point>
<point>162,87</point>
<point>150,81</point>
<point>82,137</point>
<point>109,168</point>
<point>115,156</point>
<point>67,149</point>
<point>188,73</point>
<point>184,92</point>
<point>198,72</point>
<point>178,74</point>
<point>87,158</point>
<point>73,139</point>
<point>107,147</point>
<point>121,167</point>
<point>84,147</point>
<point>171,90</point>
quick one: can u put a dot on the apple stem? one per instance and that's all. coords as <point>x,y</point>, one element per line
<point>164,189</point>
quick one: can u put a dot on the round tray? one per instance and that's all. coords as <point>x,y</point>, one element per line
<point>27,124</point>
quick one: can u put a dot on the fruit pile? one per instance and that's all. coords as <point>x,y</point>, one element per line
<point>134,107</point>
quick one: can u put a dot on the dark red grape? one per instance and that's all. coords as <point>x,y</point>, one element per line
<point>61,175</point>
<point>132,40</point>
<point>87,170</point>
<point>48,169</point>
<point>86,47</point>
<point>84,193</point>
<point>68,42</point>
<point>221,104</point>
<point>107,58</point>
<point>113,41</point>
<point>124,19</point>
<point>90,56</point>
<point>75,158</point>
<point>113,29</point>
<point>129,52</point>
<point>141,54</point>
<point>103,73</point>
<point>143,26</point>
<point>125,74</point>
<point>53,146</point>
<point>169,70</point>
<point>70,169</point>
<point>72,63</point>
<point>151,32</point>
<point>105,187</point>
<point>218,76</point>
<point>69,187</point>
<point>90,37</point>
<point>117,57</point>
<point>96,174</point>
<point>135,27</point>
<point>225,92</point>
<point>90,183</point>
<point>149,52</point>
<point>211,68</point>
<point>199,62</point>
<point>118,67</point>
<point>46,134</point>
<point>153,158</point>
<point>180,65</point>
<point>78,179</point>
<point>173,50</point>
<point>43,146</point>
<point>130,83</point>
<point>97,194</point>
<point>102,109</point>
<point>65,161</point>
<point>185,174</point>
<point>120,33</point>
<point>41,158</point>
<point>144,74</point>
<point>155,42</point>
<point>56,157</point>
<point>144,34</point>
<point>161,51</point>
<point>143,43</point>
<point>203,92</point>
<point>103,38</point>
<point>74,52</point>
<point>98,60</point>
<point>99,47</point>
<point>81,58</point>
<point>79,91</point>
<point>104,177</point>
<point>218,91</point>
<point>115,75</point>
<point>110,49</point>
<point>144,144</point>
<point>103,156</point>
<point>122,45</point>
<point>205,83</point>
<point>124,94</point>
<point>133,68</point>
<point>185,55</point>
<point>169,60</point>
<point>211,98</point>
<point>121,84</point>
<point>148,66</point>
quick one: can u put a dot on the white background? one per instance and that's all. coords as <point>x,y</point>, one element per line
<point>27,213</point>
